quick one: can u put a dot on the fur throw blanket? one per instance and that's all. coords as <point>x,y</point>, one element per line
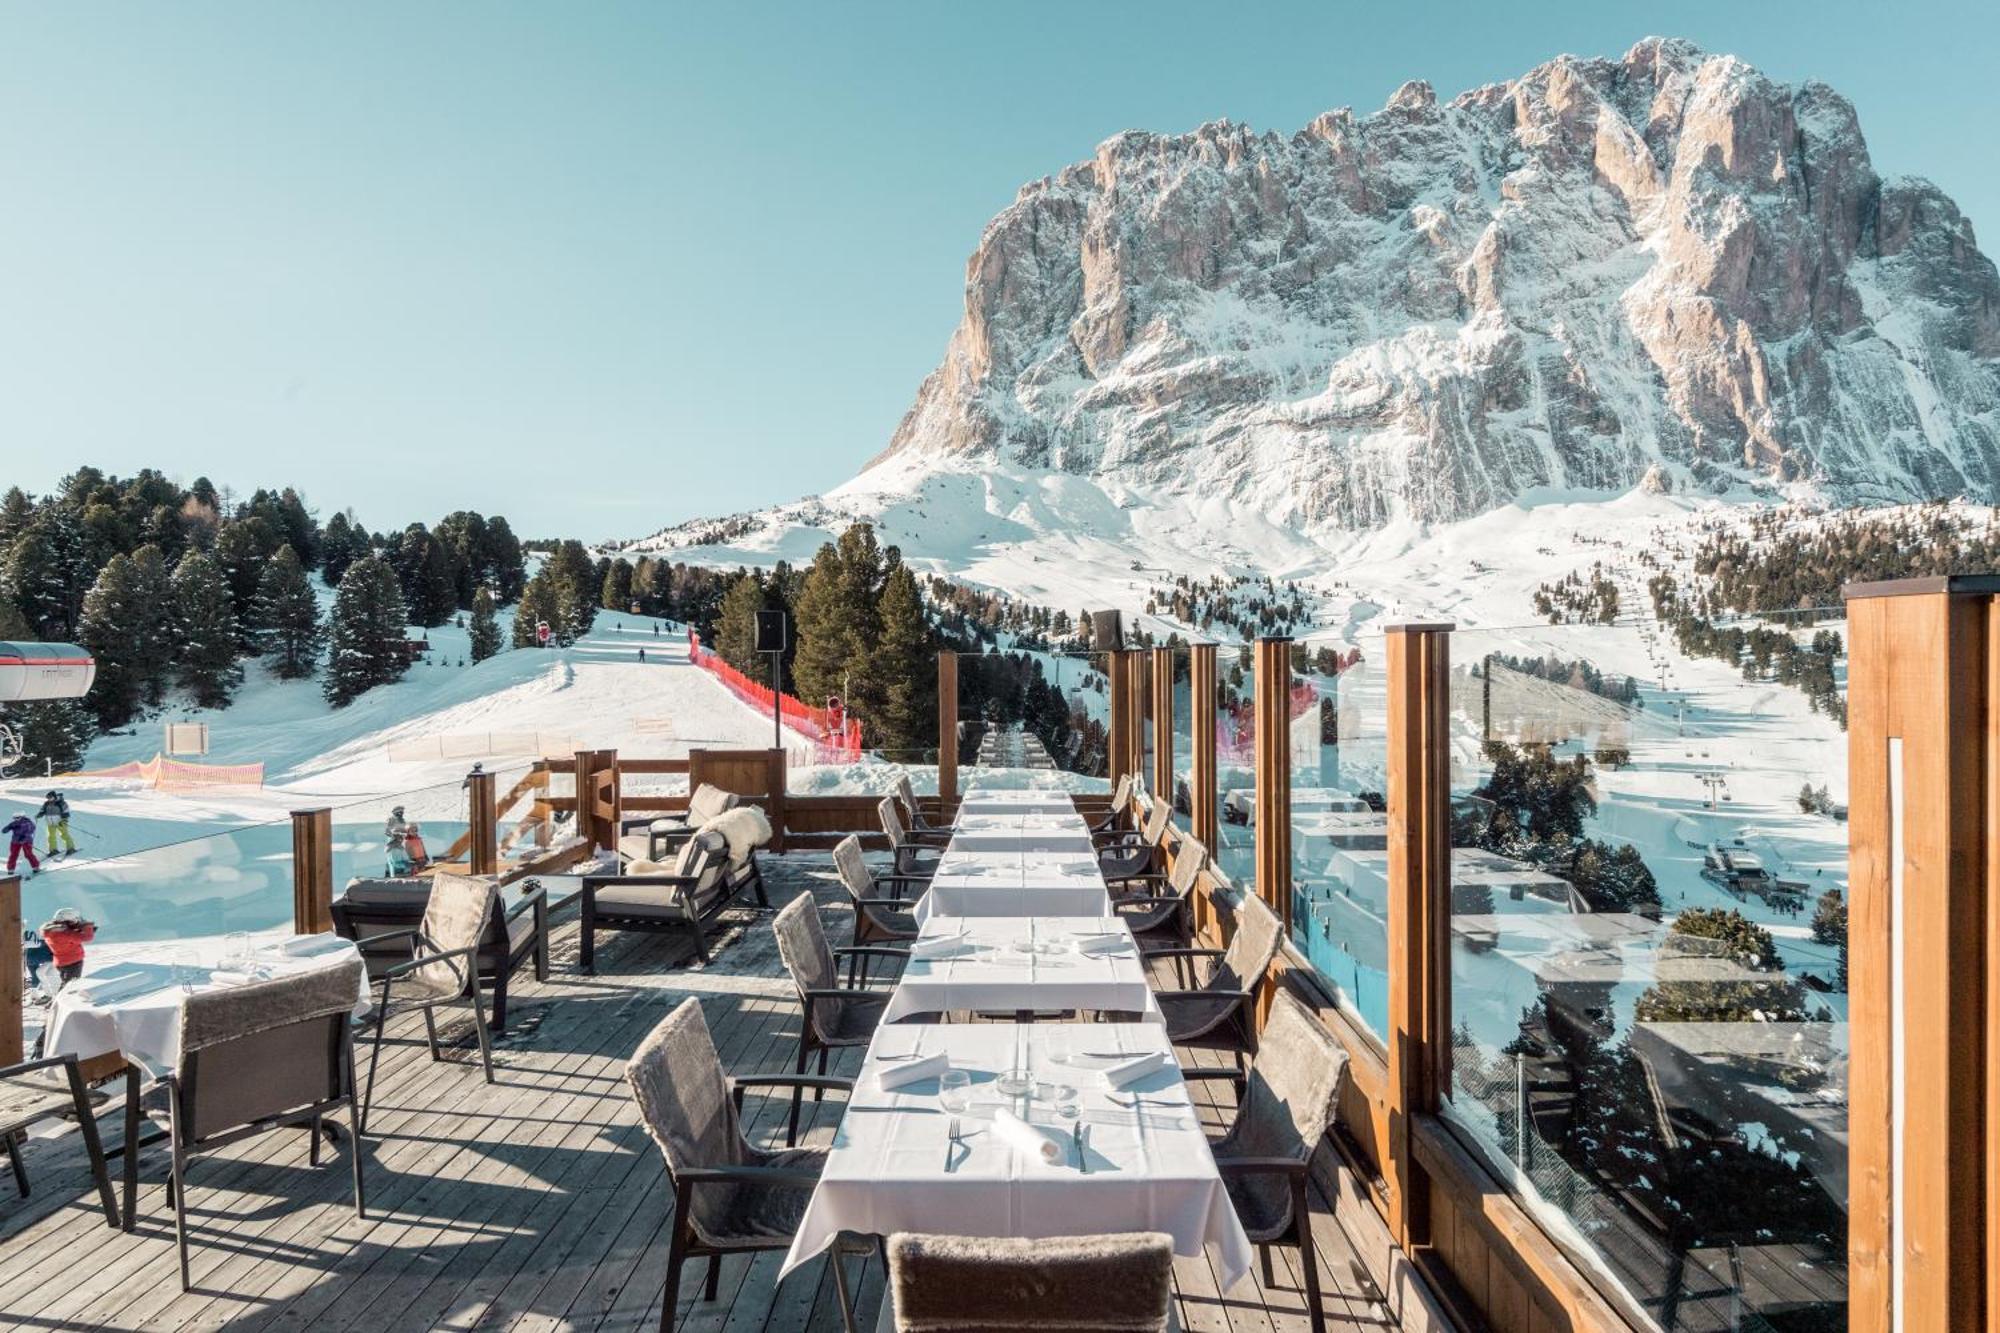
<point>745,829</point>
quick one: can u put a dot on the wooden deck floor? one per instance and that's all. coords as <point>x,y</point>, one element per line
<point>536,1203</point>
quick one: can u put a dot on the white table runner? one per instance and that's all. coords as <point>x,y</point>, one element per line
<point>1150,1168</point>
<point>998,964</point>
<point>134,1006</point>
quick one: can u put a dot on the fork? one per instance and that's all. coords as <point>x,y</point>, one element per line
<point>951,1146</point>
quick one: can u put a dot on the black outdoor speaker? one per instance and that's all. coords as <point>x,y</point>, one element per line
<point>1107,632</point>
<point>770,631</point>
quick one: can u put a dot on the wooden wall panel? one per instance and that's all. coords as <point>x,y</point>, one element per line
<point>947,703</point>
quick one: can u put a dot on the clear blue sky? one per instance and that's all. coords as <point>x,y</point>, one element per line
<point>603,267</point>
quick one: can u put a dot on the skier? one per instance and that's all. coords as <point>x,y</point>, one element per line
<point>656,629</point>
<point>66,933</point>
<point>413,847</point>
<point>395,825</point>
<point>54,815</point>
<point>36,954</point>
<point>397,855</point>
<point>642,656</point>
<point>21,842</point>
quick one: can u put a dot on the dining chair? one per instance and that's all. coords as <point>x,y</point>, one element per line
<point>730,1196</point>
<point>1219,1014</point>
<point>1102,1284</point>
<point>255,1058</point>
<point>879,918</point>
<point>37,1090</point>
<point>1283,1112</point>
<point>831,1016</point>
<point>1166,920</point>
<point>906,848</point>
<point>1132,858</point>
<point>1114,820</point>
<point>443,968</point>
<point>913,813</point>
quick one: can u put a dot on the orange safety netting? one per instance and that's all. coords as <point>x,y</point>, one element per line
<point>162,772</point>
<point>836,737</point>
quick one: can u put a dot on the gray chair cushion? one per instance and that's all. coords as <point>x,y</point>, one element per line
<point>209,1018</point>
<point>1242,967</point>
<point>405,890</point>
<point>644,901</point>
<point>967,1284</point>
<point>1286,1107</point>
<point>455,918</point>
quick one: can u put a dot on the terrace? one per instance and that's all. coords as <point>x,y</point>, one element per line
<point>1522,1015</point>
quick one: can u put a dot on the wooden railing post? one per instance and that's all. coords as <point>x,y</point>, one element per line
<point>1923,954</point>
<point>13,979</point>
<point>1419,915</point>
<point>482,818</point>
<point>1162,670</point>
<point>1116,752</point>
<point>1203,816</point>
<point>1273,696</point>
<point>312,871</point>
<point>947,704</point>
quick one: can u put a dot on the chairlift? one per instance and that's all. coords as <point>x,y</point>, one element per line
<point>36,673</point>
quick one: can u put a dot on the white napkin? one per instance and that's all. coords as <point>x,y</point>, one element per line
<point>304,946</point>
<point>1128,1072</point>
<point>1104,946</point>
<point>103,989</point>
<point>938,946</point>
<point>230,977</point>
<point>906,1072</point>
<point>1028,1138</point>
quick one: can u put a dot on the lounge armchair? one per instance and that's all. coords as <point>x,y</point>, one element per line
<point>1106,1284</point>
<point>442,968</point>
<point>38,1090</point>
<point>831,1015</point>
<point>909,850</point>
<point>1220,1013</point>
<point>1283,1111</point>
<point>256,1058</point>
<point>694,891</point>
<point>653,837</point>
<point>376,913</point>
<point>730,1196</point>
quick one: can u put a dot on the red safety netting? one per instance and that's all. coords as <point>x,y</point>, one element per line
<point>1236,723</point>
<point>173,774</point>
<point>836,737</point>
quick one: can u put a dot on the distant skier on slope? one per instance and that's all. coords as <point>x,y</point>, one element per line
<point>21,842</point>
<point>54,815</point>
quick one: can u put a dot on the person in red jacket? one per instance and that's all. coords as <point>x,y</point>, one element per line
<point>66,933</point>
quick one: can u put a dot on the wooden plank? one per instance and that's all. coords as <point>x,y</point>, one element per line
<point>1204,816</point>
<point>947,720</point>
<point>312,871</point>
<point>13,972</point>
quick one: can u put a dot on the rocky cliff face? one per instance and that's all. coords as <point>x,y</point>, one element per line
<point>1664,269</point>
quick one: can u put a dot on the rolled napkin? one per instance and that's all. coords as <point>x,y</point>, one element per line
<point>1104,946</point>
<point>1127,1072</point>
<point>1030,1139</point>
<point>938,946</point>
<point>906,1072</point>
<point>230,977</point>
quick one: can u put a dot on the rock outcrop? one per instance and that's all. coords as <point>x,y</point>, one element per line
<point>1665,269</point>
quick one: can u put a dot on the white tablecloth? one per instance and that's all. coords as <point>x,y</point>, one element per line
<point>1150,1166</point>
<point>1003,802</point>
<point>1002,963</point>
<point>1014,884</point>
<point>134,1006</point>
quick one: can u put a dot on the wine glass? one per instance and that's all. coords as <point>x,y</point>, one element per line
<point>955,1090</point>
<point>1064,1096</point>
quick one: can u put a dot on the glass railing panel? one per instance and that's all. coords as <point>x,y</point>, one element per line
<point>1339,831</point>
<point>870,773</point>
<point>1648,958</point>
<point>1183,732</point>
<point>1236,763</point>
<point>1033,719</point>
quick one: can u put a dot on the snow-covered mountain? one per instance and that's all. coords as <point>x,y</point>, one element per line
<point>1665,271</point>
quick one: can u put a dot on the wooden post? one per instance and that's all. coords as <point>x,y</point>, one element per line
<point>1201,764</point>
<point>312,871</point>
<point>1163,722</point>
<point>1135,713</point>
<point>947,704</point>
<point>774,786</point>
<point>582,824</point>
<point>482,815</point>
<point>13,969</point>
<point>1923,940</point>
<point>1117,752</point>
<point>1419,916</point>
<point>1273,677</point>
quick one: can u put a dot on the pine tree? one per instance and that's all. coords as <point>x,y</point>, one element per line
<point>205,632</point>
<point>736,628</point>
<point>575,583</point>
<point>502,563</point>
<point>286,617</point>
<point>617,591</point>
<point>367,632</point>
<point>537,606</point>
<point>338,548</point>
<point>54,734</point>
<point>242,550</point>
<point>485,630</point>
<point>905,660</point>
<point>47,572</point>
<point>124,625</point>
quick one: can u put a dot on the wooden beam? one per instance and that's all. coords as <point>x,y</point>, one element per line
<point>312,871</point>
<point>1162,671</point>
<point>13,969</point>
<point>1419,916</point>
<point>1921,755</point>
<point>1135,694</point>
<point>482,817</point>
<point>947,705</point>
<point>1273,695</point>
<point>1116,752</point>
<point>1204,818</point>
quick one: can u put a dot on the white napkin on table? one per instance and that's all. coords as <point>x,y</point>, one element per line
<point>1104,946</point>
<point>913,1071</point>
<point>104,989</point>
<point>1030,1139</point>
<point>305,946</point>
<point>1128,1072</point>
<point>938,946</point>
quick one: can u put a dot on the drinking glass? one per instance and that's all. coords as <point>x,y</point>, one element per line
<point>236,950</point>
<point>1064,1097</point>
<point>180,965</point>
<point>955,1090</point>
